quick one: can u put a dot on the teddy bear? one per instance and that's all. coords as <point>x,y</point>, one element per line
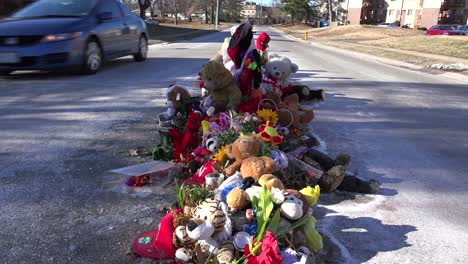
<point>270,181</point>
<point>276,73</point>
<point>300,116</point>
<point>243,148</point>
<point>210,228</point>
<point>221,87</point>
<point>180,100</point>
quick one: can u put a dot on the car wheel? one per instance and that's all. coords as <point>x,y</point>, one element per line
<point>142,50</point>
<point>92,58</point>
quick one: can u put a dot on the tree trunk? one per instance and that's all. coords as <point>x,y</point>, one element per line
<point>142,13</point>
<point>212,14</point>
<point>175,19</point>
<point>330,9</point>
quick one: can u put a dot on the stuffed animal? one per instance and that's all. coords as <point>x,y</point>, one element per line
<point>270,181</point>
<point>179,99</point>
<point>255,167</point>
<point>294,206</point>
<point>335,176</point>
<point>300,116</point>
<point>277,71</point>
<point>221,87</point>
<point>210,227</point>
<point>243,148</point>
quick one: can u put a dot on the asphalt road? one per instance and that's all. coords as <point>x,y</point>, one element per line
<point>59,133</point>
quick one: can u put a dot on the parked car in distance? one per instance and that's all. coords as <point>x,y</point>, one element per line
<point>447,30</point>
<point>79,34</point>
<point>463,30</point>
<point>390,25</point>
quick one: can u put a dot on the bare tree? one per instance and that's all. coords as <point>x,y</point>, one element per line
<point>143,4</point>
<point>175,7</point>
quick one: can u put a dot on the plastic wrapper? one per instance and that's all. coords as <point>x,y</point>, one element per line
<point>141,180</point>
<point>312,173</point>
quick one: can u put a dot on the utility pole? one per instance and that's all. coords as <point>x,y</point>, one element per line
<point>261,9</point>
<point>217,14</point>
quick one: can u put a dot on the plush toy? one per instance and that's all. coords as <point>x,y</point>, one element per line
<point>335,176</point>
<point>276,73</point>
<point>180,100</point>
<point>294,206</point>
<point>157,244</point>
<point>300,116</point>
<point>221,87</point>
<point>210,227</point>
<point>236,199</point>
<point>243,148</point>
<point>270,181</point>
<point>255,167</point>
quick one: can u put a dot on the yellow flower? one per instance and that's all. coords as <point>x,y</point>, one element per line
<point>311,193</point>
<point>268,115</point>
<point>221,154</point>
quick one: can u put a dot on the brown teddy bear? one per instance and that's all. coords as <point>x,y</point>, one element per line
<point>270,181</point>
<point>300,116</point>
<point>221,86</point>
<point>243,148</point>
<point>176,98</point>
<point>255,167</point>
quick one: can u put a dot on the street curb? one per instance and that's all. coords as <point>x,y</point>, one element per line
<point>373,58</point>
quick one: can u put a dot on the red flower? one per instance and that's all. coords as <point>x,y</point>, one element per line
<point>269,254</point>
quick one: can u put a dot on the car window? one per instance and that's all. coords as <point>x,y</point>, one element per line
<point>110,6</point>
<point>434,27</point>
<point>57,8</point>
<point>446,27</point>
<point>125,10</point>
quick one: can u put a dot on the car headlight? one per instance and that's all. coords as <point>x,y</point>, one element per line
<point>59,37</point>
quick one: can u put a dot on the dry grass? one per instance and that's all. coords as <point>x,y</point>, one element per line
<point>452,46</point>
<point>372,37</point>
<point>169,32</point>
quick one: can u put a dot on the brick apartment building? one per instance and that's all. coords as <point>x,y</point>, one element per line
<point>416,13</point>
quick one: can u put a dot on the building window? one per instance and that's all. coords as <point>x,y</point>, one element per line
<point>391,12</point>
<point>410,12</point>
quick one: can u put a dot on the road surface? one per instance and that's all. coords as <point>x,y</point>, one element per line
<point>60,133</point>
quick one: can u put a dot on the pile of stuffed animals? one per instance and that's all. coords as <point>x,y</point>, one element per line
<point>245,141</point>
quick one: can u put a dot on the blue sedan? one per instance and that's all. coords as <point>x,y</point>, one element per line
<point>76,34</point>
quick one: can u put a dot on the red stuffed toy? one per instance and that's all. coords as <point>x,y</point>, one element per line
<point>199,177</point>
<point>157,244</point>
<point>186,140</point>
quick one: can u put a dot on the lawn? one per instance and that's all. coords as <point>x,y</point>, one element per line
<point>169,32</point>
<point>374,40</point>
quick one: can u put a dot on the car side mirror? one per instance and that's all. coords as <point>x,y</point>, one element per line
<point>103,16</point>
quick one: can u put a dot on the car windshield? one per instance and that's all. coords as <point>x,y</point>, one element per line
<point>57,8</point>
<point>446,27</point>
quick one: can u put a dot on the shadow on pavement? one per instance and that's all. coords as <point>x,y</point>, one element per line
<point>357,240</point>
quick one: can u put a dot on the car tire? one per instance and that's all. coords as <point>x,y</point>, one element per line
<point>142,53</point>
<point>93,58</point>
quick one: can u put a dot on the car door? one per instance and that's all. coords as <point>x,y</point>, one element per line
<point>110,28</point>
<point>130,32</point>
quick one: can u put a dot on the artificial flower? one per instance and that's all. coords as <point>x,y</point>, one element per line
<point>277,195</point>
<point>311,194</point>
<point>267,132</point>
<point>268,115</point>
<point>268,254</point>
<point>221,154</point>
